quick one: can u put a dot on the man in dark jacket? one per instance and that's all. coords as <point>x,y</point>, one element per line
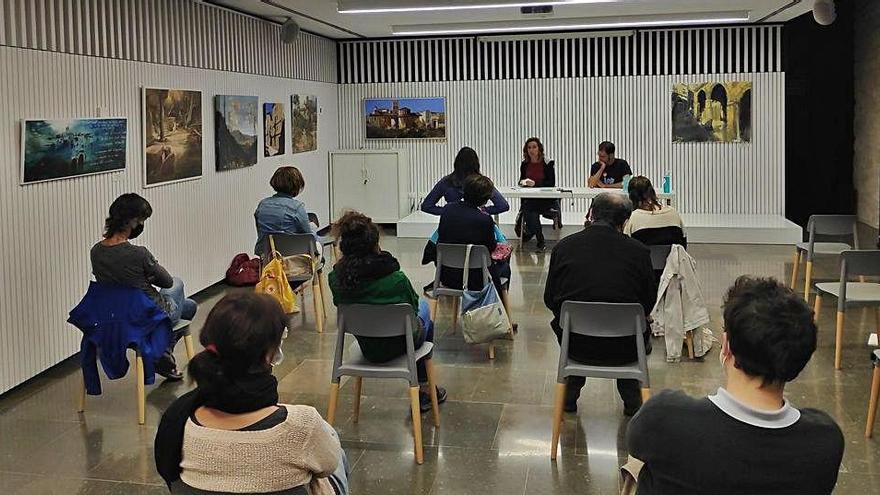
<point>601,264</point>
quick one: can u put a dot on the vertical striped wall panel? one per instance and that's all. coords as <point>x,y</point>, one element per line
<point>572,115</point>
<point>46,229</point>
<point>647,52</point>
<point>171,32</point>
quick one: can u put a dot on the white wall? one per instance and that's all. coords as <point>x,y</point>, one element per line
<point>46,229</point>
<point>573,115</point>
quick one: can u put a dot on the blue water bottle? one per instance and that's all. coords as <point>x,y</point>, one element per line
<point>667,182</point>
<point>626,179</point>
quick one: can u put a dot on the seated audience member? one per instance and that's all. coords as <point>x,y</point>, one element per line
<point>464,223</point>
<point>367,275</point>
<point>536,171</point>
<point>747,437</point>
<point>230,434</point>
<point>608,171</point>
<point>600,264</point>
<point>116,261</point>
<point>651,222</point>
<point>282,213</point>
<point>450,188</point>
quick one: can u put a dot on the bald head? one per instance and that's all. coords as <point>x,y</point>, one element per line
<point>612,209</point>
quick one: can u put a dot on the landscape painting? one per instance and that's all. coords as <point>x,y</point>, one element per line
<point>712,112</point>
<point>304,113</point>
<point>57,149</point>
<point>235,128</point>
<point>405,118</point>
<point>172,135</point>
<point>273,129</point>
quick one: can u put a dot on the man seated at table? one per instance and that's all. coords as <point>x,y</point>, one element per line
<point>609,171</point>
<point>601,264</point>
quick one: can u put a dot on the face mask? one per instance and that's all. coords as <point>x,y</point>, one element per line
<point>136,231</point>
<point>278,358</point>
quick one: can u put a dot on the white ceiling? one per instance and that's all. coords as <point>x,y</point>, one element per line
<point>327,22</point>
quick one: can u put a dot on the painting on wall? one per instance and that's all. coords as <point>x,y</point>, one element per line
<point>235,131</point>
<point>712,112</point>
<point>273,129</point>
<point>405,118</point>
<point>62,148</point>
<point>172,135</point>
<point>304,113</point>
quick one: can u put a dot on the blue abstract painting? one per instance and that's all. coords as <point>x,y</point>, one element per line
<point>57,149</point>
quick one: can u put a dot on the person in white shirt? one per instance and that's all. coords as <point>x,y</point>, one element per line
<point>652,222</point>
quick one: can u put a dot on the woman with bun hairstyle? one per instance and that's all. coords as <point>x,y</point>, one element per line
<point>367,275</point>
<point>230,434</point>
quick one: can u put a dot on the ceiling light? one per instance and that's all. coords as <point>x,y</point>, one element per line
<point>571,24</point>
<point>386,6</point>
<point>559,36</point>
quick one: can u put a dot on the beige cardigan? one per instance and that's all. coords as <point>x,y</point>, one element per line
<point>302,450</point>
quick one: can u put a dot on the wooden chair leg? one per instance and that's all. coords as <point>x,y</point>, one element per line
<point>188,341</point>
<point>872,403</point>
<point>81,395</point>
<point>807,280</point>
<point>318,307</point>
<point>432,382</point>
<point>322,285</point>
<point>877,324</point>
<point>689,340</point>
<point>505,301</point>
<point>141,400</point>
<point>334,398</point>
<point>646,394</point>
<point>456,305</point>
<point>838,339</point>
<point>358,382</point>
<point>492,350</point>
<point>817,308</point>
<point>558,403</point>
<point>416,422</point>
<point>796,265</point>
<point>434,306</point>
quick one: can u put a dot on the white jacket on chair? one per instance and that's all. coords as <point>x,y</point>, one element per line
<point>680,305</point>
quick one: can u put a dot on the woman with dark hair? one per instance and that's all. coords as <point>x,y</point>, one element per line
<point>367,275</point>
<point>282,213</point>
<point>467,163</point>
<point>652,222</point>
<point>116,261</point>
<point>230,434</point>
<point>536,171</point>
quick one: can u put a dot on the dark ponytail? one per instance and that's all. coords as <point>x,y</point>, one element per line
<point>358,238</point>
<point>125,211</point>
<point>240,331</point>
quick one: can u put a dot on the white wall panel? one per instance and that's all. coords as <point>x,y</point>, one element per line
<point>572,116</point>
<point>46,229</point>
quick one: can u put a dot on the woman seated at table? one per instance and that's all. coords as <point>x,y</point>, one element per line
<point>464,223</point>
<point>467,163</point>
<point>536,171</point>
<point>367,275</point>
<point>282,213</point>
<point>651,222</point>
<point>230,434</point>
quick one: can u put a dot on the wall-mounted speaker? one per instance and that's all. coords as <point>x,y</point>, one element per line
<point>289,31</point>
<point>824,12</point>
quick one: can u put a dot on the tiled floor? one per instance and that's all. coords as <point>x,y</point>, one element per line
<point>495,431</point>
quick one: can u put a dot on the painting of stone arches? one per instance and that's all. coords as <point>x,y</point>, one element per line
<point>712,112</point>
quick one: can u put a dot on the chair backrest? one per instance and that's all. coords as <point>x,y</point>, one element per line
<point>453,256</point>
<point>854,263</point>
<point>654,236</point>
<point>659,254</point>
<point>375,320</point>
<point>313,218</point>
<point>292,244</point>
<point>180,488</point>
<point>833,225</point>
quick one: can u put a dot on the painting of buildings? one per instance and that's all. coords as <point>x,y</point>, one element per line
<point>405,118</point>
<point>304,113</point>
<point>235,128</point>
<point>273,129</point>
<point>172,135</point>
<point>719,112</point>
<point>57,149</point>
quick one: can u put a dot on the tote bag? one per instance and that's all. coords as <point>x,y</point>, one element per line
<point>483,317</point>
<point>273,281</point>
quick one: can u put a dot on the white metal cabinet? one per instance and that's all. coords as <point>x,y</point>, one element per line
<point>374,182</point>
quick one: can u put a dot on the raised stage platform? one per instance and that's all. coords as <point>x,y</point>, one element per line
<point>700,228</point>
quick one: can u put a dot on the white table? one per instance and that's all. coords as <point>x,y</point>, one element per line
<point>570,193</point>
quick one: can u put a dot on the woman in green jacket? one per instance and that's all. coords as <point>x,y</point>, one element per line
<point>367,275</point>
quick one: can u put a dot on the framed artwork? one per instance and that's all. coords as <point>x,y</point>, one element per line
<point>235,131</point>
<point>712,112</point>
<point>304,113</point>
<point>405,118</point>
<point>62,148</point>
<point>273,129</point>
<point>172,135</point>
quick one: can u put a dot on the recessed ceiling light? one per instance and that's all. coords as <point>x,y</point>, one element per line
<point>387,6</point>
